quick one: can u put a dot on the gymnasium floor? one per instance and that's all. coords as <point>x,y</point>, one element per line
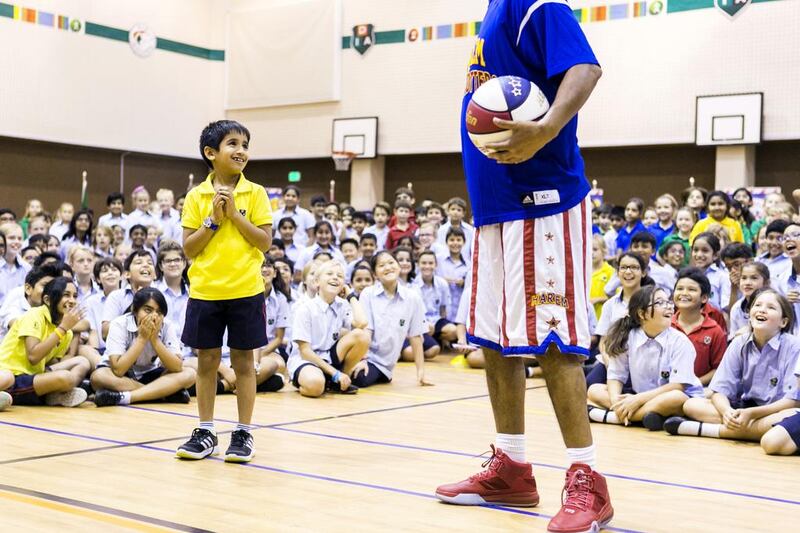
<point>367,462</point>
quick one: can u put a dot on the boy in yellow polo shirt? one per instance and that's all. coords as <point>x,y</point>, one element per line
<point>227,227</point>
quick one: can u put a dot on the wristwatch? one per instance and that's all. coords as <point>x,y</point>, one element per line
<point>208,223</point>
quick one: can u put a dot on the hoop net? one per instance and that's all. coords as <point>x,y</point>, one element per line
<point>342,160</point>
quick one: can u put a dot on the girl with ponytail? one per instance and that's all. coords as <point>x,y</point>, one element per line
<point>650,366</point>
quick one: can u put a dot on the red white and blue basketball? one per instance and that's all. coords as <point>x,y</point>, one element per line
<point>508,98</point>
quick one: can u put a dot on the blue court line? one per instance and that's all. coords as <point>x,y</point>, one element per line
<point>306,475</point>
<point>281,427</point>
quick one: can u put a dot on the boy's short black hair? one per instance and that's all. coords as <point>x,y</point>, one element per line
<point>402,204</point>
<point>318,199</point>
<point>358,215</point>
<point>288,188</point>
<point>277,243</point>
<point>6,211</point>
<point>435,205</point>
<point>45,256</point>
<point>696,275</point>
<point>113,197</point>
<point>603,209</point>
<point>134,255</point>
<point>642,237</point>
<point>736,250</point>
<point>348,241</point>
<point>213,134</point>
<point>369,237</point>
<point>33,240</point>
<point>455,232</point>
<point>617,211</point>
<point>106,261</point>
<point>137,226</point>
<point>287,220</point>
<point>52,270</point>
<point>777,226</point>
<point>382,205</point>
<point>27,248</point>
<point>458,201</point>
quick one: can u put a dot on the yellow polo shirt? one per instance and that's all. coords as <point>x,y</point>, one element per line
<point>733,228</point>
<point>229,267</point>
<point>36,322</point>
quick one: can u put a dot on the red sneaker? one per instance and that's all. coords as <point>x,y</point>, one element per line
<point>504,482</point>
<point>587,506</point>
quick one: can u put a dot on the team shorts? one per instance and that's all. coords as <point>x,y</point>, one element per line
<point>438,327</point>
<point>529,285</point>
<point>207,320</point>
<point>428,342</point>
<point>145,379</point>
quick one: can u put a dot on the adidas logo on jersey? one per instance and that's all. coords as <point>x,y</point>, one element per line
<point>527,199</point>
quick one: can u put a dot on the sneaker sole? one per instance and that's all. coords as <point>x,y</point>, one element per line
<point>73,398</point>
<point>595,527</point>
<point>186,454</point>
<point>239,458</point>
<point>475,499</point>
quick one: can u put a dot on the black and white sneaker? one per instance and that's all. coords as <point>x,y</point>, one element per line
<point>241,449</point>
<point>653,421</point>
<point>200,445</point>
<point>106,398</point>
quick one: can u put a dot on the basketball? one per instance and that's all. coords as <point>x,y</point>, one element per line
<point>508,98</point>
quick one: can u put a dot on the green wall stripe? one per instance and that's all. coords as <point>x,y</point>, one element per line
<point>6,10</point>
<point>98,30</point>
<point>167,45</point>
<point>677,6</point>
<point>346,42</point>
<point>390,37</point>
<point>189,50</point>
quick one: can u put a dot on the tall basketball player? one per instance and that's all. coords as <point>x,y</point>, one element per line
<point>531,261</point>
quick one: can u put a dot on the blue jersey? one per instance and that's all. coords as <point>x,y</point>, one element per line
<point>538,40</point>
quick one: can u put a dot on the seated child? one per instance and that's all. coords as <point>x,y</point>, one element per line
<point>140,272</point>
<point>650,366</point>
<point>436,296</point>
<point>753,276</point>
<point>35,345</point>
<point>328,336</point>
<point>394,313</point>
<point>708,339</point>
<point>142,361</point>
<point>754,387</point>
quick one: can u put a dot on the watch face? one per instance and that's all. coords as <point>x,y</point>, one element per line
<point>142,40</point>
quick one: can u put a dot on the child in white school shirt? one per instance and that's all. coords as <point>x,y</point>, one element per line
<point>328,336</point>
<point>650,366</point>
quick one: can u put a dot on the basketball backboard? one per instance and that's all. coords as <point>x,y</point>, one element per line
<point>727,119</point>
<point>358,135</point>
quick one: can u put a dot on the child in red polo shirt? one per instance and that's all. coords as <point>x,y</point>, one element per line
<point>691,295</point>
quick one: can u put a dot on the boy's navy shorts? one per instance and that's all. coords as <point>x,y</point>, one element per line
<point>22,390</point>
<point>245,319</point>
<point>792,426</point>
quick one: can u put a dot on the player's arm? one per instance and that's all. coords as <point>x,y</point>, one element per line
<point>528,137</point>
<point>196,239</point>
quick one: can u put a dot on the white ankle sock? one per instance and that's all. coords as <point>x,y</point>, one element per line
<point>586,455</point>
<point>208,426</point>
<point>247,427</point>
<point>604,416</point>
<point>699,429</point>
<point>126,398</point>
<point>512,445</point>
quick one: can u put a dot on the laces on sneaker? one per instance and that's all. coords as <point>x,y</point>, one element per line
<point>491,464</point>
<point>197,436</point>
<point>578,491</point>
<point>239,438</point>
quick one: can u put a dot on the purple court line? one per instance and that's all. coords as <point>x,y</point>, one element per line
<point>279,427</point>
<point>306,475</point>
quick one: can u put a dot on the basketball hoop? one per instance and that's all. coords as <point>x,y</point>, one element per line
<point>342,160</point>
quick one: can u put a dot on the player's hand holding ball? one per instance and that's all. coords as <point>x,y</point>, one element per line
<point>502,119</point>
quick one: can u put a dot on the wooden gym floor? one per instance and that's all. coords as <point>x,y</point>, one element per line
<point>368,462</point>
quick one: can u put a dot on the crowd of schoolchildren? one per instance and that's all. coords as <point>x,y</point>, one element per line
<point>694,318</point>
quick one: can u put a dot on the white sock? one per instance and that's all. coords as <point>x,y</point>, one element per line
<point>604,416</point>
<point>699,429</point>
<point>247,427</point>
<point>586,455</point>
<point>126,398</point>
<point>208,426</point>
<point>512,445</point>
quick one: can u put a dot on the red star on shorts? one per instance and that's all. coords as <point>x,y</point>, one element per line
<point>549,236</point>
<point>551,260</point>
<point>551,283</point>
<point>553,323</point>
